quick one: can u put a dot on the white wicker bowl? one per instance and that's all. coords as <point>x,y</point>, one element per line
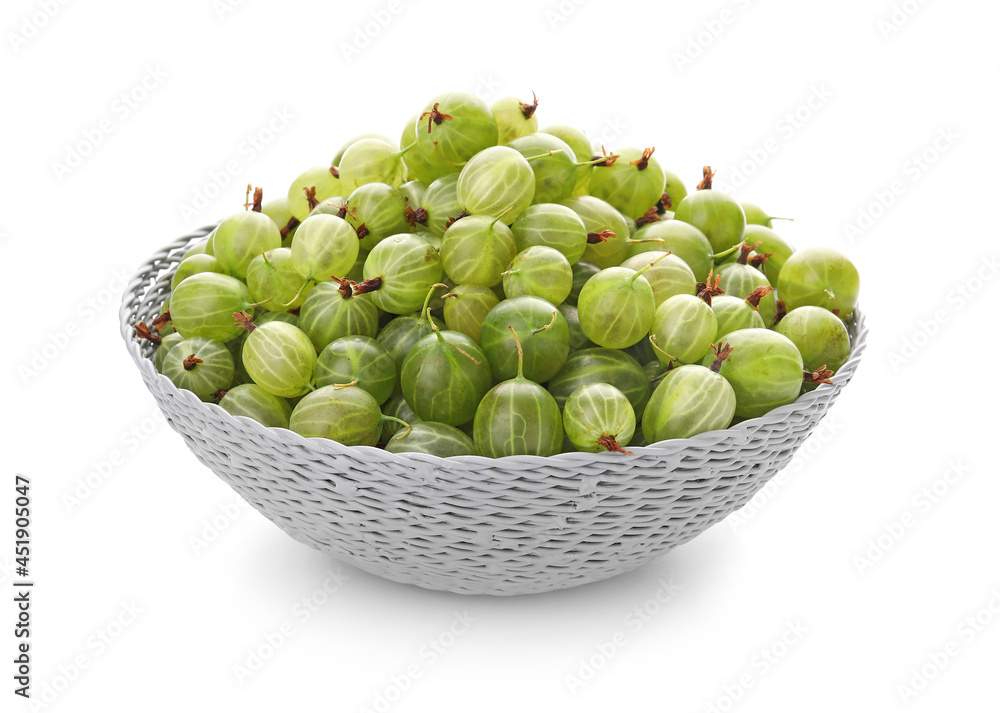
<point>474,525</point>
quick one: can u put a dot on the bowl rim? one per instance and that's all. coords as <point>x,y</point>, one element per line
<point>144,280</point>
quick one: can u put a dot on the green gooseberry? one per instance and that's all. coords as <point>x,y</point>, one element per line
<point>477,250</point>
<point>764,368</point>
<point>311,186</point>
<point>203,305</point>
<point>441,204</point>
<point>514,118</point>
<point>324,246</point>
<point>254,402</point>
<point>275,283</point>
<point>241,237</point>
<point>432,438</point>
<point>820,336</point>
<point>371,161</point>
<point>401,333</point>
<point>360,360</point>
<point>598,417</point>
<point>197,248</point>
<point>540,271</point>
<point>444,377</point>
<point>732,314</point>
<point>413,193</point>
<point>617,306</point>
<point>164,347</point>
<point>376,211</point>
<point>669,276</point>
<point>456,126</point>
<point>689,400</point>
<point>718,215</point>
<point>404,267</point>
<point>545,345</point>
<point>201,365</point>
<point>607,230</point>
<point>518,417</point>
<point>632,181</point>
<point>769,243</point>
<point>821,277</point>
<point>339,156</point>
<point>279,357</point>
<point>465,308</point>
<point>193,265</point>
<point>346,414</point>
<point>582,272</point>
<point>401,412</point>
<point>599,365</point>
<point>279,210</point>
<point>553,164</point>
<point>683,240</point>
<point>577,339</point>
<point>578,141</point>
<point>739,278</point>
<point>330,311</point>
<point>498,182</point>
<point>551,225</point>
<point>684,328</point>
<point>423,164</point>
<point>674,190</point>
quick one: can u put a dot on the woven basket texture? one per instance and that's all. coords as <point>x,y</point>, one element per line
<point>475,525</point>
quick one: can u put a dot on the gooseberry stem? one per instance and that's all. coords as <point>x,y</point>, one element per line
<point>425,310</point>
<point>291,225</point>
<point>729,251</point>
<point>710,288</point>
<point>160,322</point>
<point>601,237</point>
<point>652,215</point>
<point>401,421</point>
<point>721,354</point>
<point>745,250</point>
<point>543,155</point>
<point>632,278</point>
<point>520,353</point>
<point>779,311</point>
<point>670,357</point>
<point>191,361</point>
<point>547,326</point>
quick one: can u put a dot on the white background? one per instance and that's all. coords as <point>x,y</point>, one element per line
<point>900,141</point>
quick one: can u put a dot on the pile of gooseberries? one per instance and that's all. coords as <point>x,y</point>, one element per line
<point>486,287</point>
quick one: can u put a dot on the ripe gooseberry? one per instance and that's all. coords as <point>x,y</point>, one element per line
<point>578,141</point>
<point>740,278</point>
<point>632,181</point>
<point>456,126</point>
<point>545,345</point>
<point>669,276</point>
<point>540,271</point>
<point>551,225</point>
<point>376,211</point>
<point>819,335</point>
<point>432,438</point>
<point>278,356</point>
<point>517,417</point>
<point>441,204</point>
<point>617,305</point>
<point>607,230</point>
<point>477,250</point>
<point>683,240</point>
<point>361,360</point>
<point>552,163</point>
<point>400,270</point>
<point>689,400</point>
<point>242,236</point>
<point>514,118</point>
<point>716,214</point>
<point>371,160</point>
<point>201,365</point>
<point>203,304</point>
<point>683,330</point>
<point>275,283</point>
<point>497,181</point>
<point>770,243</point>
<point>343,413</point>
<point>821,277</point>
<point>598,417</point>
<point>311,186</point>
<point>444,376</point>
<point>466,306</point>
<point>599,365</point>
<point>254,402</point>
<point>764,368</point>
<point>332,310</point>
<point>192,266</point>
